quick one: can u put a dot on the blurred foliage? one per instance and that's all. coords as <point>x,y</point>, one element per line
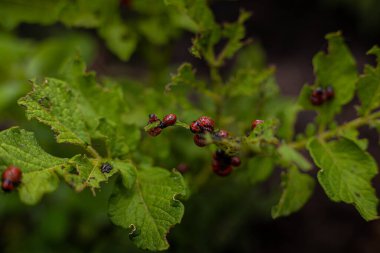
<point>122,24</point>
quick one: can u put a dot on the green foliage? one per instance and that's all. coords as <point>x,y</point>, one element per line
<point>369,85</point>
<point>155,22</point>
<point>292,157</point>
<point>20,148</point>
<point>346,173</point>
<point>259,169</point>
<point>337,68</point>
<point>52,102</point>
<point>197,11</point>
<point>79,112</point>
<point>297,189</point>
<point>149,207</point>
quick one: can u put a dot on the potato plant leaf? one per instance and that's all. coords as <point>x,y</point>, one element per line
<point>345,174</point>
<point>297,189</point>
<point>20,148</point>
<point>150,207</point>
<point>336,68</point>
<point>369,85</point>
<point>259,169</point>
<point>55,104</point>
<point>197,11</point>
<point>235,32</point>
<point>290,156</point>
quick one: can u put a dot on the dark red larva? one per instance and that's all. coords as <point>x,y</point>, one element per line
<point>221,163</point>
<point>154,131</point>
<point>256,122</point>
<point>235,161</point>
<point>152,118</point>
<point>168,120</point>
<point>221,170</point>
<point>206,123</point>
<point>222,134</point>
<point>7,186</point>
<point>329,93</point>
<point>195,128</point>
<point>199,140</point>
<point>11,178</point>
<point>317,96</point>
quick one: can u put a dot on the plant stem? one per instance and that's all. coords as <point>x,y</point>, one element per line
<point>358,122</point>
<point>93,152</point>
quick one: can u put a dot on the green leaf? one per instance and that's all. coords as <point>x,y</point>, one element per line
<point>44,12</point>
<point>292,157</point>
<point>337,68</point>
<point>234,32</point>
<point>197,11</point>
<point>346,174</point>
<point>297,189</point>
<point>73,109</point>
<point>20,148</point>
<point>120,139</point>
<point>259,169</point>
<point>89,173</point>
<point>250,82</point>
<point>87,14</point>
<point>369,85</point>
<point>104,100</point>
<point>209,32</point>
<point>37,183</point>
<point>150,208</point>
<point>127,171</point>
<point>120,38</point>
<point>53,103</point>
<point>251,56</point>
<point>353,135</point>
<point>262,135</point>
<point>286,110</point>
<point>185,76</point>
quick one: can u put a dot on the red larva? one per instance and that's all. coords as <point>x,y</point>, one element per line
<point>256,122</point>
<point>317,96</point>
<point>195,128</point>
<point>11,178</point>
<point>222,163</point>
<point>321,95</point>
<point>221,170</point>
<point>206,123</point>
<point>222,134</point>
<point>7,185</point>
<point>154,131</point>
<point>329,93</point>
<point>168,120</point>
<point>235,161</point>
<point>152,118</point>
<point>200,141</point>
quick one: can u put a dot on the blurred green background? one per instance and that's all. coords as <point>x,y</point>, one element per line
<point>139,43</point>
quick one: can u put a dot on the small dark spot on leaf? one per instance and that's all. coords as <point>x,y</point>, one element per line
<point>45,102</point>
<point>106,168</point>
